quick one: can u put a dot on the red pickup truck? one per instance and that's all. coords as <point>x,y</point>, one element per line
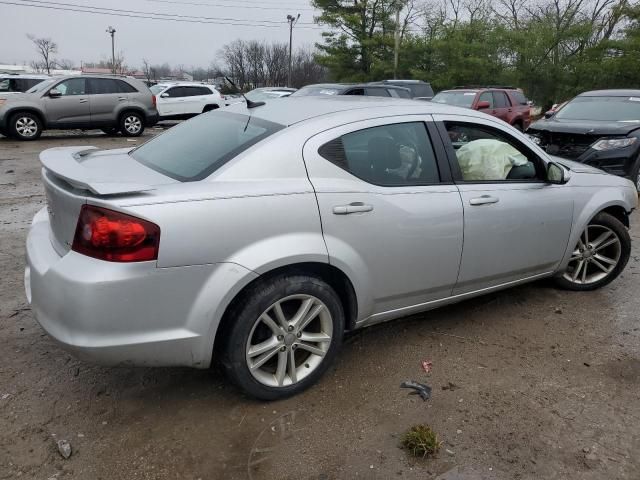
<point>506,103</point>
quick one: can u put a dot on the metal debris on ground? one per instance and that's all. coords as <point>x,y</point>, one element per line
<point>64,448</point>
<point>419,389</point>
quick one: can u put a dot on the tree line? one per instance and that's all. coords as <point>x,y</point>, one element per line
<point>553,49</point>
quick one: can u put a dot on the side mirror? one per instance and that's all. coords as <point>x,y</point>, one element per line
<point>556,175</point>
<point>549,114</point>
<point>55,93</point>
<point>482,105</point>
<point>164,95</point>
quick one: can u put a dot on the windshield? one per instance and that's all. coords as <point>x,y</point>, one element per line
<point>41,86</point>
<point>156,89</point>
<point>459,99</point>
<point>607,109</point>
<point>196,148</point>
<point>312,91</point>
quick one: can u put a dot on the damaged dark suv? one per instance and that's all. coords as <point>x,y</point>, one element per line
<point>599,128</point>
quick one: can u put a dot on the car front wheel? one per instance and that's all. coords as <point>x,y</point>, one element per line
<point>600,255</point>
<point>132,124</point>
<point>25,126</point>
<point>282,336</point>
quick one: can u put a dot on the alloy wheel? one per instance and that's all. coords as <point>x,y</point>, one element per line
<point>596,255</point>
<point>26,126</point>
<point>289,340</point>
<point>132,124</point>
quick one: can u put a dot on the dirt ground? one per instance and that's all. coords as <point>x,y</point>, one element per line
<point>529,383</point>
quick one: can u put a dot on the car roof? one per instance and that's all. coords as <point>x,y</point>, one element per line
<point>344,86</point>
<point>292,110</point>
<point>611,93</point>
<point>183,84</point>
<point>403,81</point>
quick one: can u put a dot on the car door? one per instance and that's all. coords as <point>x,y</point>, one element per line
<point>390,215</point>
<point>194,99</point>
<point>502,105</point>
<point>71,108</point>
<point>171,102</point>
<point>105,99</point>
<point>516,225</point>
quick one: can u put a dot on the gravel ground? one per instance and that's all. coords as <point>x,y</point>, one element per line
<point>531,382</point>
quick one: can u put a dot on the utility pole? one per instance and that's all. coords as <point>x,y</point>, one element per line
<point>112,32</point>
<point>292,21</point>
<point>397,42</point>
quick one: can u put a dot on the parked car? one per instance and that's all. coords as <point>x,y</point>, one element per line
<point>362,89</point>
<point>111,103</point>
<point>419,89</point>
<point>599,128</point>
<point>260,245</point>
<point>506,103</point>
<point>179,100</point>
<point>18,83</point>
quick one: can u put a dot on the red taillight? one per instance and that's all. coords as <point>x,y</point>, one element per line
<point>116,237</point>
<point>154,100</point>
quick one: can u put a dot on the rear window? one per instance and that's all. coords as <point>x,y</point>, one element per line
<point>195,149</point>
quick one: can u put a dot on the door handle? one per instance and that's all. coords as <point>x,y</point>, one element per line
<point>484,200</point>
<point>121,99</point>
<point>84,100</point>
<point>354,207</point>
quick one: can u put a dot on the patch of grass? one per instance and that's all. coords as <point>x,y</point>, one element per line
<point>421,441</point>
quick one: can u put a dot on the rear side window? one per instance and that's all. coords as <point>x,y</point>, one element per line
<point>125,87</point>
<point>400,93</point>
<point>189,151</point>
<point>519,98</point>
<point>390,155</point>
<point>377,92</point>
<point>103,86</point>
<point>501,100</point>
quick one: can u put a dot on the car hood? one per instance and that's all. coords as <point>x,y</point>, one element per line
<point>583,127</point>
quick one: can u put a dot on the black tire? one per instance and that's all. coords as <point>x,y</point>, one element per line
<point>23,122</point>
<point>3,132</point>
<point>518,126</point>
<point>240,320</point>
<point>131,124</point>
<point>635,176</point>
<point>111,131</point>
<point>616,226</point>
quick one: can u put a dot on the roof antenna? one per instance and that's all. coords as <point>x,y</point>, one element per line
<point>250,104</point>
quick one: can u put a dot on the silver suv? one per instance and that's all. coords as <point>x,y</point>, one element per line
<point>110,103</point>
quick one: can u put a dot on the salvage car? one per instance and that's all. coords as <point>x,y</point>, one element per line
<point>357,89</point>
<point>300,219</point>
<point>599,128</point>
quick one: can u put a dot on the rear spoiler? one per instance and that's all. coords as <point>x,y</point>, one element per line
<point>66,164</point>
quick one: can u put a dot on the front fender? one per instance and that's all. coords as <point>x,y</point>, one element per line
<point>588,205</point>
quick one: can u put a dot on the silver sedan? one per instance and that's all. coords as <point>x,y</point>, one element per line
<point>257,236</point>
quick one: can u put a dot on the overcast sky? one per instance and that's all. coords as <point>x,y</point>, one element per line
<point>82,36</point>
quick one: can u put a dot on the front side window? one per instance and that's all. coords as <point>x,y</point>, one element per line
<point>399,154</point>
<point>176,92</point>
<point>355,91</point>
<point>378,92</point>
<point>485,154</point>
<point>73,86</point>
<point>189,151</point>
<point>487,97</point>
<point>500,100</point>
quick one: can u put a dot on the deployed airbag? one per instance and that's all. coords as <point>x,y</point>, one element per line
<point>488,159</point>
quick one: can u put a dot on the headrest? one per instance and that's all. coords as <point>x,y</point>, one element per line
<point>384,153</point>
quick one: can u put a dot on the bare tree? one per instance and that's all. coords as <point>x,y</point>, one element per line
<point>46,48</point>
<point>146,69</point>
<point>65,64</point>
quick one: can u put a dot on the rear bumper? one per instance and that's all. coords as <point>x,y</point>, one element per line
<point>126,314</point>
<point>152,119</point>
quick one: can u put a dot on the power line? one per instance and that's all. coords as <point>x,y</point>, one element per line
<point>257,23</point>
<point>251,6</point>
<point>158,14</point>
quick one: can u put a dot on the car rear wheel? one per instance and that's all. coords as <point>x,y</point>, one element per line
<point>132,124</point>
<point>25,126</point>
<point>283,336</point>
<point>602,252</point>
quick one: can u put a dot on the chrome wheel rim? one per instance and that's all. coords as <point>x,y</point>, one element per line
<point>26,126</point>
<point>595,257</point>
<point>289,340</point>
<point>132,124</point>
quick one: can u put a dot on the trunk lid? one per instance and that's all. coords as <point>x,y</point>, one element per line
<point>73,176</point>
